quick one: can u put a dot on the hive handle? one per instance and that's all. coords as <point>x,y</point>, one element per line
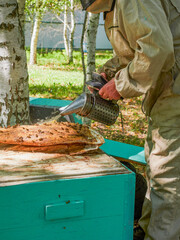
<point>68,209</point>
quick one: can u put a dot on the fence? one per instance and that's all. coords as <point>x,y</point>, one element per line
<point>51,35</point>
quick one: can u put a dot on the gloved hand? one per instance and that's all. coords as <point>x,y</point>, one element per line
<point>108,91</point>
<point>97,82</point>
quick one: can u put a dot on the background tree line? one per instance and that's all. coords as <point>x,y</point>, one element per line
<point>14,94</point>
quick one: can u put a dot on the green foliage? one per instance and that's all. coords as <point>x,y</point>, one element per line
<point>30,9</point>
<point>56,6</point>
<point>32,6</point>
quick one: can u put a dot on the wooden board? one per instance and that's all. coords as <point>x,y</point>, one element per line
<point>24,167</point>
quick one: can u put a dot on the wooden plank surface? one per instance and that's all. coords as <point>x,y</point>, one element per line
<point>23,167</point>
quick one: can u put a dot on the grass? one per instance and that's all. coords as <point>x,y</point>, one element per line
<point>52,77</point>
<point>51,83</point>
<point>57,60</point>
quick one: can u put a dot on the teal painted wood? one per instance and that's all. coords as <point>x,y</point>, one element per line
<point>68,209</point>
<point>113,148</point>
<point>123,150</point>
<point>49,102</point>
<point>53,103</point>
<point>108,209</point>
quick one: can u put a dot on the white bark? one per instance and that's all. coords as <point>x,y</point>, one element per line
<point>91,43</point>
<point>21,7</point>
<point>14,95</point>
<point>35,34</point>
<point>72,29</point>
<point>91,49</point>
<point>82,50</point>
<point>85,89</point>
<point>65,33</point>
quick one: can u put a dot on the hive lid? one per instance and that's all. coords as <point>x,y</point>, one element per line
<point>25,167</point>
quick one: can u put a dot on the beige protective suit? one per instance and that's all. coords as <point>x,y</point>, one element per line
<point>145,35</point>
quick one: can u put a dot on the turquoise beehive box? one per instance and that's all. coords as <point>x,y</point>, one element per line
<point>45,197</point>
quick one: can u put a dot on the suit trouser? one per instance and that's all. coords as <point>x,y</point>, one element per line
<point>161,209</point>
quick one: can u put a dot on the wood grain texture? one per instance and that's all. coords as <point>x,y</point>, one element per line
<point>23,167</point>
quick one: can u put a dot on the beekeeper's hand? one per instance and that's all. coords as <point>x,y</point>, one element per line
<point>108,91</point>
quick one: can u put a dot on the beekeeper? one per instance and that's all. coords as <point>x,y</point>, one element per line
<point>145,36</point>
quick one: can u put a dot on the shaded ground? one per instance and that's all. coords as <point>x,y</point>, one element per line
<point>129,128</point>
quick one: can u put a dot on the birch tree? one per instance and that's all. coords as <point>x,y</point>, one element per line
<point>91,43</point>
<point>69,29</point>
<point>21,8</point>
<point>35,10</point>
<point>30,12</point>
<point>14,95</point>
<point>91,49</point>
<point>35,33</point>
<point>72,30</point>
<point>65,30</point>
<point>82,50</point>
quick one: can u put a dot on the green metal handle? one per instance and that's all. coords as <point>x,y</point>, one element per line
<point>64,210</point>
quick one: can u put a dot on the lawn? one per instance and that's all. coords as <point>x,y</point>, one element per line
<point>52,77</point>
<point>45,81</point>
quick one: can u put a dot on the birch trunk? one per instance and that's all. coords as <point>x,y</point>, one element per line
<point>35,34</point>
<point>91,49</point>
<point>14,95</point>
<point>82,50</point>
<point>65,32</point>
<point>91,43</point>
<point>72,29</point>
<point>21,7</point>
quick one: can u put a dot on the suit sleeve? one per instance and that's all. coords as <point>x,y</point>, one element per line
<point>111,67</point>
<point>146,28</point>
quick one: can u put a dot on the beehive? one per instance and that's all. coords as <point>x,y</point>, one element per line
<point>50,197</point>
